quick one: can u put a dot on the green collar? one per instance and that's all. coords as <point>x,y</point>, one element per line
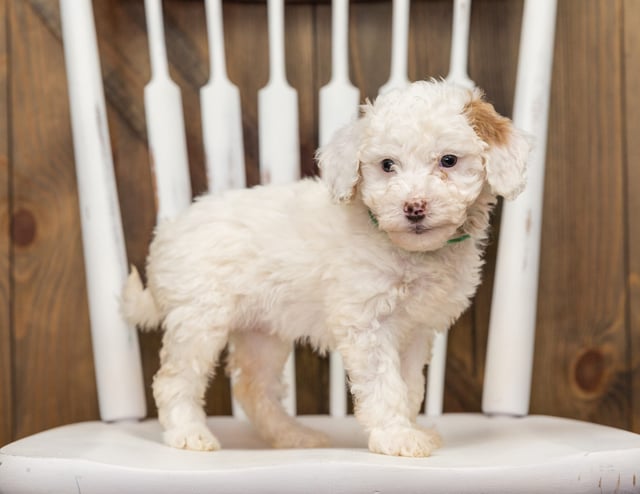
<point>373,219</point>
<point>461,238</point>
<point>453,240</point>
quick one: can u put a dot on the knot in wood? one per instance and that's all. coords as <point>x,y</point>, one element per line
<point>590,371</point>
<point>23,228</point>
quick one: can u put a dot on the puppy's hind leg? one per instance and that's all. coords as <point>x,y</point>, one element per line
<point>190,349</point>
<point>256,360</point>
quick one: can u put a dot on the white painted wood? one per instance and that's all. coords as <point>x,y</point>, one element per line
<point>398,76</point>
<point>165,124</point>
<point>221,113</point>
<point>278,135</point>
<point>460,44</point>
<point>115,345</point>
<point>278,110</point>
<point>507,383</point>
<point>434,396</point>
<point>457,74</point>
<point>289,379</point>
<point>236,408</point>
<point>480,454</point>
<point>339,102</point>
<point>338,387</point>
<point>339,99</point>
<point>221,124</point>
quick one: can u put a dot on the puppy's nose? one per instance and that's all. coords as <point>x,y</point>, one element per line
<point>415,210</point>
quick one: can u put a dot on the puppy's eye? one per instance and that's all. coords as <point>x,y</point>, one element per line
<point>387,165</point>
<point>448,161</point>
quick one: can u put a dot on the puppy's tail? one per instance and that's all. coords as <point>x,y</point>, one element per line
<point>138,305</point>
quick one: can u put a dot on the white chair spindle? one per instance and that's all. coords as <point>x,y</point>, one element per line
<point>507,383</point>
<point>459,61</point>
<point>458,75</point>
<point>115,345</point>
<point>279,142</point>
<point>165,124</point>
<point>221,124</point>
<point>398,76</point>
<point>221,121</point>
<point>339,101</point>
<point>434,396</point>
<point>221,113</point>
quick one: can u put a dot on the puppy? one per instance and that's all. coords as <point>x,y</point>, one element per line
<point>372,261</point>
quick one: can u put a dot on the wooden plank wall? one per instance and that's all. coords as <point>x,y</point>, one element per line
<point>631,62</point>
<point>53,367</point>
<point>6,409</point>
<point>588,341</point>
<point>582,360</point>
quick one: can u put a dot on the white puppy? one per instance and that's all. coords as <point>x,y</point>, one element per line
<point>372,261</point>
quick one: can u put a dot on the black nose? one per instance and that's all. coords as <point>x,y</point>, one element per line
<point>415,211</point>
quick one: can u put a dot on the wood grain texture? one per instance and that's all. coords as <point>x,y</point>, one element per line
<point>581,366</point>
<point>53,362</point>
<point>6,367</point>
<point>631,60</point>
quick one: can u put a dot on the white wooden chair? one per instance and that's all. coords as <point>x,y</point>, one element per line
<point>502,450</point>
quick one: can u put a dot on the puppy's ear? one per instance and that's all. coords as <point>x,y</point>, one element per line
<point>339,162</point>
<point>508,147</point>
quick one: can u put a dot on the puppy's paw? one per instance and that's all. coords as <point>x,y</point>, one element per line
<point>435,435</point>
<point>301,437</point>
<point>194,436</point>
<point>403,441</point>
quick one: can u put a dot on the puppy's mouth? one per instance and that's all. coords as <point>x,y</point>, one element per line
<point>419,229</point>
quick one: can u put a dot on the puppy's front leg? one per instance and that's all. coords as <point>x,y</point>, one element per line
<point>413,359</point>
<point>415,356</point>
<point>381,396</point>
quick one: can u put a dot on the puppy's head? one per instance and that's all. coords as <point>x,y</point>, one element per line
<point>422,158</point>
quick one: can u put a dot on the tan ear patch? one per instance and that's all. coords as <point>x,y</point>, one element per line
<point>491,127</point>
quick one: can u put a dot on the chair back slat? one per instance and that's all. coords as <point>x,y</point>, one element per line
<point>278,137</point>
<point>399,74</point>
<point>459,59</point>
<point>507,384</point>
<point>222,134</point>
<point>165,124</point>
<point>221,113</point>
<point>434,395</point>
<point>279,143</point>
<point>115,345</point>
<point>338,100</point>
<point>338,105</point>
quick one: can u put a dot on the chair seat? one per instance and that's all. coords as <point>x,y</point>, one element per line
<point>480,454</point>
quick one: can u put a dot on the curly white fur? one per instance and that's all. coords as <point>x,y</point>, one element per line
<point>358,262</point>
